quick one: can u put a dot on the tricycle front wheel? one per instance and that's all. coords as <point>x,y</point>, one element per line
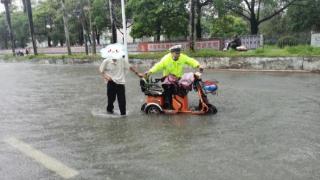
<point>212,109</point>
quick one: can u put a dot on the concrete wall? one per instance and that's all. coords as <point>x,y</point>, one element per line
<point>308,64</point>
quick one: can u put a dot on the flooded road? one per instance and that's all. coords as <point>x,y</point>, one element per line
<point>267,127</point>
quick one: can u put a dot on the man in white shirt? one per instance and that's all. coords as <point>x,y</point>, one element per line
<point>113,70</point>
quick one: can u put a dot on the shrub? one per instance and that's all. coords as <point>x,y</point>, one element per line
<point>310,49</point>
<point>294,49</point>
<point>287,41</point>
<point>259,51</point>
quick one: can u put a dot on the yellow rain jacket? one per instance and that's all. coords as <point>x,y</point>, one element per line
<point>170,66</point>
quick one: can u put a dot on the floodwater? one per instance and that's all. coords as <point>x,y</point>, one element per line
<point>267,127</point>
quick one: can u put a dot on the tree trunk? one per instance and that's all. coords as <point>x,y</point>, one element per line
<point>158,32</point>
<point>114,33</point>
<point>6,42</point>
<point>84,35</point>
<point>49,41</point>
<point>92,31</point>
<point>254,26</point>
<point>112,22</point>
<point>89,39</point>
<point>24,6</point>
<point>13,44</point>
<point>31,27</point>
<point>65,25</point>
<point>198,23</point>
<point>191,26</point>
<point>80,35</point>
<point>94,51</point>
<point>98,38</point>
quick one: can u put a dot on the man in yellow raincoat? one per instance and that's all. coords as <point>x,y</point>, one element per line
<point>173,63</point>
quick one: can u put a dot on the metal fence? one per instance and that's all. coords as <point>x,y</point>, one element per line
<point>249,41</point>
<point>300,37</point>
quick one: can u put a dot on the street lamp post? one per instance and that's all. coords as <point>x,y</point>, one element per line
<point>124,25</point>
<point>6,6</point>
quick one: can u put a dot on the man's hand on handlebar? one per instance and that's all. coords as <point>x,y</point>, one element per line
<point>146,75</point>
<point>140,75</point>
<point>197,75</point>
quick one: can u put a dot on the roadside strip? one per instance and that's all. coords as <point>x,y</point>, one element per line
<point>47,161</point>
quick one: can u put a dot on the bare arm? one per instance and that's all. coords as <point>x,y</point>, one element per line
<point>104,75</point>
<point>135,72</point>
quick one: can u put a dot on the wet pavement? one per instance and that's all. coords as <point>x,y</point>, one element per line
<point>267,127</point>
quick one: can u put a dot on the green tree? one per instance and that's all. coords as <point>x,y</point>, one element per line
<point>153,18</point>
<point>8,23</point>
<point>20,25</point>
<point>275,28</point>
<point>48,22</point>
<point>226,26</point>
<point>305,16</point>
<point>3,33</point>
<point>115,16</point>
<point>199,7</point>
<point>100,13</point>
<point>258,11</point>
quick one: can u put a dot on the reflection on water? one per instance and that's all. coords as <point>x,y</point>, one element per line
<point>267,126</point>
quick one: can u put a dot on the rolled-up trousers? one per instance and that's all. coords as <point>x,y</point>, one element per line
<point>167,93</point>
<point>114,91</point>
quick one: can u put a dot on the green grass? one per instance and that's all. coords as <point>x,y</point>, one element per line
<point>148,55</point>
<point>266,51</point>
<point>63,56</point>
<point>53,56</point>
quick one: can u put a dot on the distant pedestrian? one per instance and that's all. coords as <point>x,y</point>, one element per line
<point>19,53</point>
<point>27,51</point>
<point>236,42</point>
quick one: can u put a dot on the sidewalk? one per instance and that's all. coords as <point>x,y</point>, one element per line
<point>52,50</point>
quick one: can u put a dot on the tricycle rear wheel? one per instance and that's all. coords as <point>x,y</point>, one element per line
<point>143,106</point>
<point>153,109</point>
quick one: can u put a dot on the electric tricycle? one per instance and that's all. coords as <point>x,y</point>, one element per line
<point>154,102</point>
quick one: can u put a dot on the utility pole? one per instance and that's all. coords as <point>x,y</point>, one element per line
<point>31,28</point>
<point>65,25</point>
<point>124,25</point>
<point>6,6</point>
